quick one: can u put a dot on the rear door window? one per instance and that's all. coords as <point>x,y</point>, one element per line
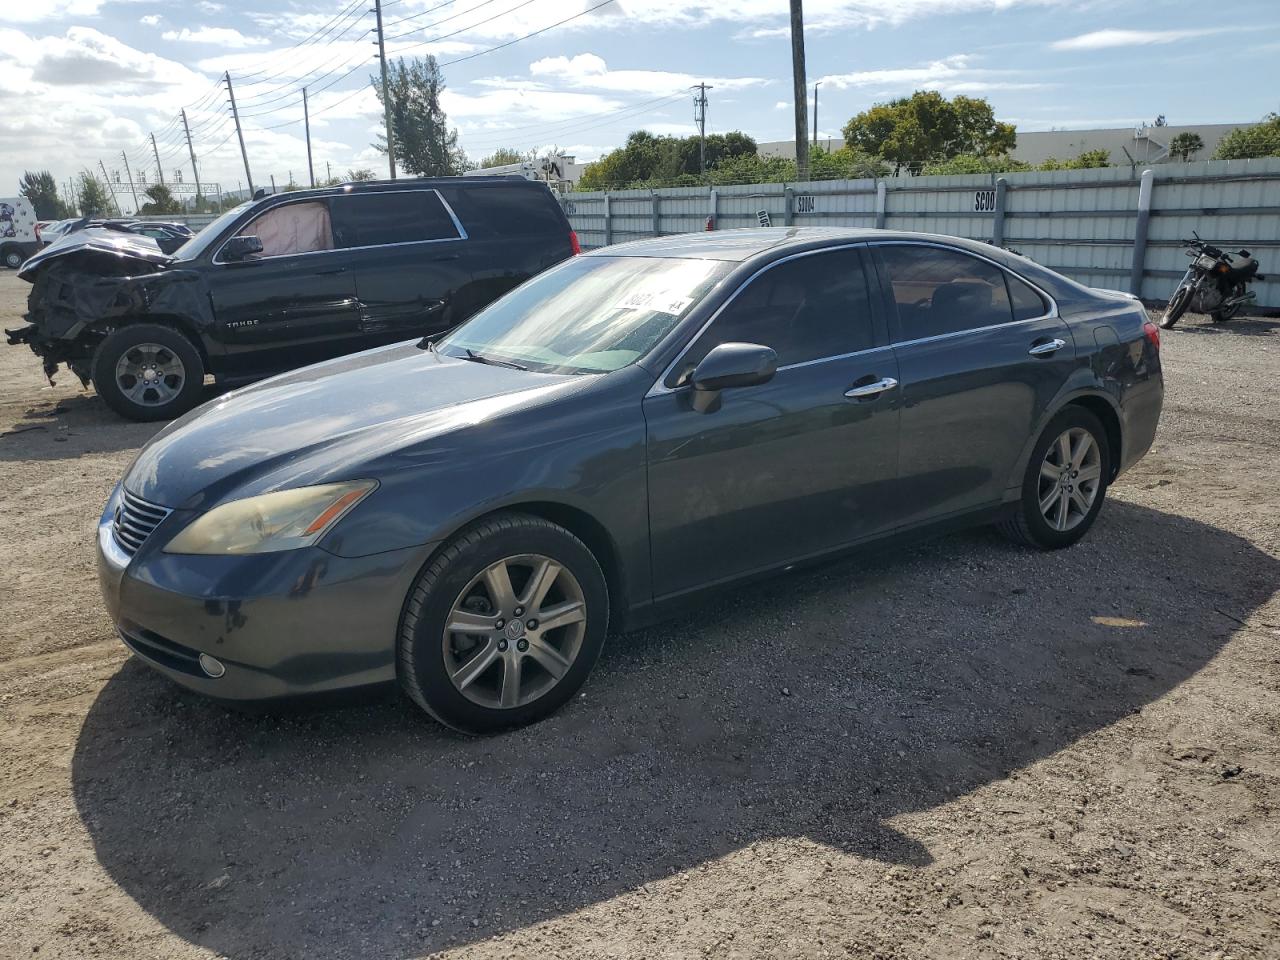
<point>498,209</point>
<point>399,216</point>
<point>939,291</point>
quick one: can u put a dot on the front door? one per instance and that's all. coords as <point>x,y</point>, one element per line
<point>980,356</point>
<point>789,468</point>
<point>293,304</point>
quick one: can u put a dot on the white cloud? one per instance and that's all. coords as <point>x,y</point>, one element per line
<point>954,74</point>
<point>1106,39</point>
<point>16,11</point>
<point>587,70</point>
<point>782,105</point>
<point>151,20</point>
<point>215,36</point>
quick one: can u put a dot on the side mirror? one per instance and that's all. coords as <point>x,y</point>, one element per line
<point>734,365</point>
<point>241,248</point>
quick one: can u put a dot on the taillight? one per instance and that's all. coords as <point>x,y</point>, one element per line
<point>1153,334</point>
<point>575,247</point>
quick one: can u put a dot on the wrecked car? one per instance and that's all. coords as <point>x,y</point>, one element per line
<point>282,282</point>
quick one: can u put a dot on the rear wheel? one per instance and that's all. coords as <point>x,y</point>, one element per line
<point>1222,316</point>
<point>13,258</point>
<point>504,625</point>
<point>1176,307</point>
<point>1065,483</point>
<point>148,372</point>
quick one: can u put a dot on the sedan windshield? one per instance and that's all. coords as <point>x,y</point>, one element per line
<point>588,315</point>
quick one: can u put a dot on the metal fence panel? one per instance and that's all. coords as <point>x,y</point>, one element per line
<point>1083,223</point>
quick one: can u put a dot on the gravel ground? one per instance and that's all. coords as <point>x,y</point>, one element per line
<point>956,749</point>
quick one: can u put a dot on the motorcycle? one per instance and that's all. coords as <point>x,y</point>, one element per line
<point>1215,283</point>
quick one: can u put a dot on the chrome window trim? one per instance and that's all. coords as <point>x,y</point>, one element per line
<point>457,224</point>
<point>1048,298</point>
<point>659,387</point>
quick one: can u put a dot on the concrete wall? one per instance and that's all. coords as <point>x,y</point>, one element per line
<point>1083,223</point>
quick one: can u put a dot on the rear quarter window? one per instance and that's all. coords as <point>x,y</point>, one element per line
<point>397,216</point>
<point>505,210</point>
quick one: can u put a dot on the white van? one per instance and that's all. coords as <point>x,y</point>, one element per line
<point>18,237</point>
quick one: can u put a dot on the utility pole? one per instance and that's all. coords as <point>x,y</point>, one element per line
<point>155,152</point>
<point>816,85</point>
<point>273,184</point>
<point>244,155</point>
<point>700,118</point>
<point>800,90</point>
<point>386,99</point>
<point>328,174</point>
<point>195,171</point>
<point>306,124</point>
<point>110,189</point>
<point>132,188</point>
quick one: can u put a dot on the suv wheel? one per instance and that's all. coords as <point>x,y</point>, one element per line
<point>504,625</point>
<point>1065,483</point>
<point>148,372</point>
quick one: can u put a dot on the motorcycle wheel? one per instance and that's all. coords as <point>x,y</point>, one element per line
<point>1222,316</point>
<point>1177,307</point>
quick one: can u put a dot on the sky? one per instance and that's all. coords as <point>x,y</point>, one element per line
<point>83,82</point>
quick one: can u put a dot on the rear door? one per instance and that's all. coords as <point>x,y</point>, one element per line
<point>293,304</point>
<point>789,468</point>
<point>980,354</point>
<point>406,250</point>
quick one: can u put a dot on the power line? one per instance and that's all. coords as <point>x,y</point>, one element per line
<point>574,127</point>
<point>428,26</point>
<point>302,43</point>
<point>293,81</point>
<point>446,36</point>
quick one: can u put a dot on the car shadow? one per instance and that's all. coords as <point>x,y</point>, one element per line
<point>821,704</point>
<point>67,427</point>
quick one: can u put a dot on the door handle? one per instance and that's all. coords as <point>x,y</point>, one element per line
<point>871,389</point>
<point>1044,349</point>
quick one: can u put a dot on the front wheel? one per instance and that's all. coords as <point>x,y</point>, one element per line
<point>504,625</point>
<point>13,258</point>
<point>1176,307</point>
<point>148,372</point>
<point>1065,482</point>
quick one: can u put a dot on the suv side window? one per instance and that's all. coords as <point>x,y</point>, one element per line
<point>292,228</point>
<point>507,210</point>
<point>941,291</point>
<point>809,308</point>
<point>396,216</point>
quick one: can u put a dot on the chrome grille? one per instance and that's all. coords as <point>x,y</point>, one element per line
<point>134,520</point>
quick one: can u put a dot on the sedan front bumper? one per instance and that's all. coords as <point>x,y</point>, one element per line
<point>279,625</point>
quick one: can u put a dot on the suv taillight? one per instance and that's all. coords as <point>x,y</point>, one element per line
<point>1153,333</point>
<point>574,246</point>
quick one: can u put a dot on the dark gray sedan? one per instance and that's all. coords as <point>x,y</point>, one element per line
<point>470,517</point>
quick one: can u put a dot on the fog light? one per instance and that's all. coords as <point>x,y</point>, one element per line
<point>212,667</point>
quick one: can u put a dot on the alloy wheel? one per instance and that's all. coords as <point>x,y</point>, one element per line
<point>514,631</point>
<point>150,374</point>
<point>1070,478</point>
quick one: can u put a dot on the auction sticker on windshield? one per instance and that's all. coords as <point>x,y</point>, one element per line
<point>659,301</point>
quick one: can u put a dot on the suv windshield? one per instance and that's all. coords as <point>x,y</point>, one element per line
<point>588,315</point>
<point>209,235</point>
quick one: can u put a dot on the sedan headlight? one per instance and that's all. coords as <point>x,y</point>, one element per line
<point>284,520</point>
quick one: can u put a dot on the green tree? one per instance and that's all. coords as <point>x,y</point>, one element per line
<point>1090,159</point>
<point>503,156</point>
<point>94,200</point>
<point>360,175</point>
<point>426,145</point>
<point>968,163</point>
<point>649,159</point>
<point>41,192</point>
<point>1185,144</point>
<point>928,128</point>
<point>159,201</point>
<point>1246,143</point>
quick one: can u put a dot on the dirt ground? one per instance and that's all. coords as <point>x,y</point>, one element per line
<point>951,750</point>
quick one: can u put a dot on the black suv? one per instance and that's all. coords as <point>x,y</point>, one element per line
<point>282,282</point>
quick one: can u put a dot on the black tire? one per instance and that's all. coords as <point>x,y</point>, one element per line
<point>120,342</point>
<point>1027,524</point>
<point>1222,316</point>
<point>1176,307</point>
<point>13,258</point>
<point>421,659</point>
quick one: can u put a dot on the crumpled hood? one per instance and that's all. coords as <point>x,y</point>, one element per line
<point>116,251</point>
<point>325,423</point>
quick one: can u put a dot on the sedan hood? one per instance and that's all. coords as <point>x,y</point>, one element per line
<point>326,422</point>
<point>109,252</point>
